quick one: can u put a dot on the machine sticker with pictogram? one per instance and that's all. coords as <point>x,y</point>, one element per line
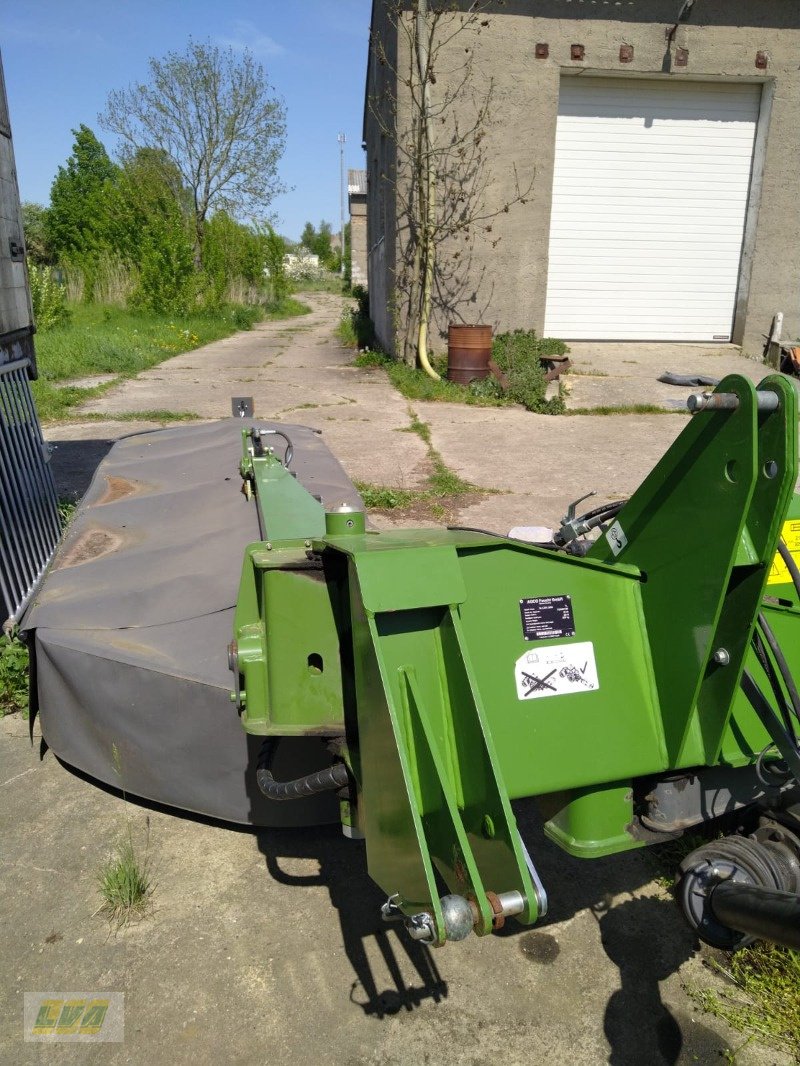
<point>556,671</point>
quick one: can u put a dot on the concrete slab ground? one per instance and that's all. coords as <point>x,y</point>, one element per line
<point>623,374</point>
<point>268,946</point>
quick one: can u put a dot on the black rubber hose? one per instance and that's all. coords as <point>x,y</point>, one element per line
<point>593,518</point>
<point>772,677</point>
<point>330,779</point>
<point>783,666</point>
<point>605,508</point>
<point>289,454</point>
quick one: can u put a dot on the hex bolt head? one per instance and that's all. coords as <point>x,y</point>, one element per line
<point>722,656</point>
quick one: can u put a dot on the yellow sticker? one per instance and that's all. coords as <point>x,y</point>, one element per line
<point>779,572</point>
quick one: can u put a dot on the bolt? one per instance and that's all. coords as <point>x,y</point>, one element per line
<point>722,656</point>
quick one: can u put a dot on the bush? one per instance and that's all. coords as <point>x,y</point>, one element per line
<point>518,354</point>
<point>13,674</point>
<point>48,297</point>
<point>355,327</point>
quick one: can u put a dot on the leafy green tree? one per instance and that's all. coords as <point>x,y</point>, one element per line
<point>78,223</point>
<point>274,248</point>
<point>231,250</point>
<point>166,279</point>
<point>318,242</point>
<point>34,225</point>
<point>213,115</point>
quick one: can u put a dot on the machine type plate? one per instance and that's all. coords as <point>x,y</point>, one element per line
<point>547,617</point>
<point>556,671</point>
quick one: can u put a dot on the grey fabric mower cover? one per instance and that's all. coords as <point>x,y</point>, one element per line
<point>130,628</point>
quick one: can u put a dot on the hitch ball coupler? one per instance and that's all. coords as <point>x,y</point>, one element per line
<point>459,916</point>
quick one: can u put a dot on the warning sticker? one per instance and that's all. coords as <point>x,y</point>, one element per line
<point>556,671</point>
<point>547,617</point>
<point>779,572</point>
<point>616,538</point>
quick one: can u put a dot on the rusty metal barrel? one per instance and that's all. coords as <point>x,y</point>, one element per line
<point>469,349</point>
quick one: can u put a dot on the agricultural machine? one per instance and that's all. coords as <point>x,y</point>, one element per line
<point>636,674</point>
<point>263,657</point>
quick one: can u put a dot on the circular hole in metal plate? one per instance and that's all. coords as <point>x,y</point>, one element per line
<point>770,469</point>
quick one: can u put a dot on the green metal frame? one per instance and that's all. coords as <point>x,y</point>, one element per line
<point>408,644</point>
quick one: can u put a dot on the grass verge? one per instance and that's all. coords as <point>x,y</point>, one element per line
<point>626,409</point>
<point>157,414</point>
<point>417,385</point>
<point>110,340</point>
<point>288,307</point>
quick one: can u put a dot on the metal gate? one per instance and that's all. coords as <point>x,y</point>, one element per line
<point>30,524</point>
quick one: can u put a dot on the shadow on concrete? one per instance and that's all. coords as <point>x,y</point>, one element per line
<point>342,870</point>
<point>645,937</point>
<point>73,463</point>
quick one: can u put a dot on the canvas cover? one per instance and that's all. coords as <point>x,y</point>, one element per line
<point>131,626</point>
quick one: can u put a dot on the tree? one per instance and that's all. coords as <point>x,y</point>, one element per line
<point>441,176</point>
<point>78,223</point>
<point>318,242</point>
<point>212,114</point>
<point>34,226</point>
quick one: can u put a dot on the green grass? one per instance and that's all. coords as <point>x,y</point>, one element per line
<point>327,283</point>
<point>13,675</point>
<point>417,385</point>
<point>626,409</point>
<point>157,414</point>
<point>288,307</point>
<point>443,490</point>
<point>111,340</point>
<point>764,1000</point>
<point>384,498</point>
<point>125,882</point>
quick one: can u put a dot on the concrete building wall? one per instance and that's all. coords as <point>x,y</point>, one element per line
<point>379,127</point>
<point>506,277</point>
<point>358,239</point>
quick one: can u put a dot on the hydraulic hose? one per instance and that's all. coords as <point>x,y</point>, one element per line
<point>330,779</point>
<point>783,666</point>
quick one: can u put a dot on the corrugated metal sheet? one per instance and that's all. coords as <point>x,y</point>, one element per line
<point>650,194</point>
<point>357,182</point>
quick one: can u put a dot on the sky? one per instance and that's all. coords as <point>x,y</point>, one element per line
<point>61,59</point>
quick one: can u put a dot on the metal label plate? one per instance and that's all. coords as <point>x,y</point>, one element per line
<point>547,617</point>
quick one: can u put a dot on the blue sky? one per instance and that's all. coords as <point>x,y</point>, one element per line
<point>61,59</point>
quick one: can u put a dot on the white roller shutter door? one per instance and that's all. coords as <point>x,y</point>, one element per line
<point>650,194</point>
